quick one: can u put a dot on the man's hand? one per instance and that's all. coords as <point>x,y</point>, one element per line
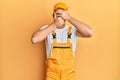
<point>63,13</point>
<point>58,19</point>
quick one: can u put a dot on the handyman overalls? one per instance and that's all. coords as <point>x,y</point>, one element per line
<point>60,63</point>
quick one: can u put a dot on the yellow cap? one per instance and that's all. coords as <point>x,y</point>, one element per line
<point>60,5</point>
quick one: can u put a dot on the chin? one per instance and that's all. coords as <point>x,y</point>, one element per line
<point>63,25</point>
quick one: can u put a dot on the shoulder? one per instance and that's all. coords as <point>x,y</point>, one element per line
<point>74,28</point>
<point>74,31</point>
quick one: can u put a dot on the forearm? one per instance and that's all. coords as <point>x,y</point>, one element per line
<point>42,34</point>
<point>82,28</point>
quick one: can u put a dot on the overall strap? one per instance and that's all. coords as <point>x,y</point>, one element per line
<point>69,34</point>
<point>54,37</point>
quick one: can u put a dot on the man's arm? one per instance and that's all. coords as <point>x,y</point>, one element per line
<point>83,30</point>
<point>42,34</point>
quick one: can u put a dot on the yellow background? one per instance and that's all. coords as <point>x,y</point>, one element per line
<point>97,58</point>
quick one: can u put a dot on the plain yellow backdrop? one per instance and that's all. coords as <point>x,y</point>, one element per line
<point>97,58</point>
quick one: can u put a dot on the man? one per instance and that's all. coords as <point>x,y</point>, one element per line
<point>61,43</point>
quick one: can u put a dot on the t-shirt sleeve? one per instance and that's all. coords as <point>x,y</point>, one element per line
<point>74,38</point>
<point>74,31</point>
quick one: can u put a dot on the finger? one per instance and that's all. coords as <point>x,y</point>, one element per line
<point>58,14</point>
<point>58,11</point>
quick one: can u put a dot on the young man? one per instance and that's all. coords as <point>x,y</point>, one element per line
<point>61,43</point>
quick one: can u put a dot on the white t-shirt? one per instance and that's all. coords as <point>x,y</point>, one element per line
<point>61,36</point>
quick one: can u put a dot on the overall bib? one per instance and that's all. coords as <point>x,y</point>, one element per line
<point>60,63</point>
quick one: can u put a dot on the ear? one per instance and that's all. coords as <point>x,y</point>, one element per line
<point>54,15</point>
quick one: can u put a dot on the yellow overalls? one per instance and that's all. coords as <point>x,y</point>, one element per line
<point>60,63</point>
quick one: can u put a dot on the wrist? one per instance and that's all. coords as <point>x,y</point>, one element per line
<point>69,18</point>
